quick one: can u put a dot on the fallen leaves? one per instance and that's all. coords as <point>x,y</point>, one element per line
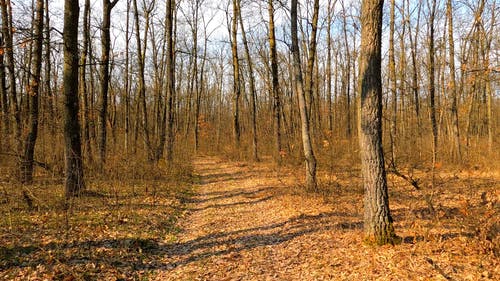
<point>244,223</point>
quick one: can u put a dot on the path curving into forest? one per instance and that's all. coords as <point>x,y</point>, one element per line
<point>245,223</point>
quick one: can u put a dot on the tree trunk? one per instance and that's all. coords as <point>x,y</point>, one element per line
<point>4,143</point>
<point>9,55</point>
<point>253,109</point>
<point>33,96</point>
<point>275,83</point>
<point>311,183</point>
<point>74,182</point>
<point>107,6</point>
<point>377,218</point>
<point>432,86</point>
<point>392,83</point>
<point>170,81</point>
<point>236,75</point>
<point>141,89</point>
<point>83,83</point>
<point>453,85</point>
<point>48,73</point>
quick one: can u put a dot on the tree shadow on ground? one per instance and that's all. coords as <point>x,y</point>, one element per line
<point>141,254</point>
<point>150,254</point>
<point>219,195</point>
<point>232,204</point>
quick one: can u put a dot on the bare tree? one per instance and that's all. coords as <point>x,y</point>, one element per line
<point>236,75</point>
<point>377,218</point>
<point>299,89</point>
<point>33,94</point>
<point>275,82</point>
<point>107,6</point>
<point>7,31</point>
<point>453,83</point>
<point>432,81</point>
<point>170,83</point>
<point>253,109</point>
<point>74,182</point>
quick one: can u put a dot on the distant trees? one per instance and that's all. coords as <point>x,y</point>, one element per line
<point>165,83</point>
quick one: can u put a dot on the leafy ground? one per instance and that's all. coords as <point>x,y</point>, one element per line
<point>254,222</point>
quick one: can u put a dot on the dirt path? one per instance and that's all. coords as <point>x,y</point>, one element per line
<point>246,224</point>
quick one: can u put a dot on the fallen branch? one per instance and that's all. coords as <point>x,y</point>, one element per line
<point>437,268</point>
<point>409,179</point>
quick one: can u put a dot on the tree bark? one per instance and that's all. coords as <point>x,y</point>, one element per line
<point>9,55</point>
<point>4,101</point>
<point>453,84</point>
<point>236,75</point>
<point>432,86</point>
<point>107,6</point>
<point>377,216</point>
<point>392,83</point>
<point>170,81</point>
<point>311,183</point>
<point>74,182</point>
<point>33,96</point>
<point>83,84</point>
<point>253,109</point>
<point>275,83</point>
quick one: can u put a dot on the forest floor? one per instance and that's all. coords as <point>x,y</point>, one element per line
<point>253,221</point>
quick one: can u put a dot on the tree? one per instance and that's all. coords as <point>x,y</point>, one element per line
<point>236,75</point>
<point>74,181</point>
<point>453,84</point>
<point>392,81</point>
<point>432,86</point>
<point>7,31</point>
<point>170,73</point>
<point>253,109</point>
<point>107,6</point>
<point>275,81</point>
<point>33,94</point>
<point>83,75</point>
<point>377,216</point>
<point>3,101</point>
<point>311,183</point>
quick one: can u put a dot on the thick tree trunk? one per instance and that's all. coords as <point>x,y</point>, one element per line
<point>74,182</point>
<point>377,218</point>
<point>33,96</point>
<point>311,183</point>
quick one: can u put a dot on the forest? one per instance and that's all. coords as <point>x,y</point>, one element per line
<point>249,140</point>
